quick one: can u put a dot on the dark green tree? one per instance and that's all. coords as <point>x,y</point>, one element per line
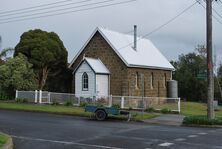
<point>45,51</point>
<point>188,69</point>
<point>218,83</point>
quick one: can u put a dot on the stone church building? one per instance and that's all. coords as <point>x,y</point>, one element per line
<point>113,63</point>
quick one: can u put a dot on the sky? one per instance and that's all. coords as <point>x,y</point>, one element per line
<point>180,36</point>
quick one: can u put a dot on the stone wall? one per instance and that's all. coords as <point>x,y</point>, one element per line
<point>159,82</point>
<point>122,78</point>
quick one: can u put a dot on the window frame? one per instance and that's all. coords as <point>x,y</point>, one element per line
<point>85,82</point>
<point>137,80</point>
<point>152,80</point>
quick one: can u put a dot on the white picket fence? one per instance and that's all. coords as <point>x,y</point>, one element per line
<point>124,102</point>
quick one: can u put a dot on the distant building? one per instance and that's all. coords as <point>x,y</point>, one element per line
<point>112,63</point>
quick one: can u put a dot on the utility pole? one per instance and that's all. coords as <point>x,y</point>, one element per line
<point>210,87</point>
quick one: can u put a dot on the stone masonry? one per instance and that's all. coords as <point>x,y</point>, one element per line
<point>123,78</point>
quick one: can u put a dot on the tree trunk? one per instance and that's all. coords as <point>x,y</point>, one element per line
<point>43,74</point>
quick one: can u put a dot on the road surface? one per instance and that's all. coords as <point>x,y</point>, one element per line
<point>49,131</point>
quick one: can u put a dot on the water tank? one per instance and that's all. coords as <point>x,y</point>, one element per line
<point>172,89</point>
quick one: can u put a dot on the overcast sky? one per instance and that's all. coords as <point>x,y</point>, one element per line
<point>179,37</point>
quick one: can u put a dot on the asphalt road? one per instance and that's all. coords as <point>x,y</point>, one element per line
<point>49,131</point>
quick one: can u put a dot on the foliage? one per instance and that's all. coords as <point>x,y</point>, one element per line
<point>150,109</point>
<point>3,96</point>
<point>83,104</point>
<point>16,73</point>
<point>61,82</point>
<point>165,111</point>
<point>55,103</point>
<point>45,51</point>
<point>21,100</point>
<point>217,84</point>
<point>68,103</point>
<point>188,67</point>
<point>201,120</point>
<point>116,106</point>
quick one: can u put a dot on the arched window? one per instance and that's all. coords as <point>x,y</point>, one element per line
<point>151,81</point>
<point>85,82</point>
<point>137,81</point>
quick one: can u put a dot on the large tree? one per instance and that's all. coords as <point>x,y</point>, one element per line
<point>45,51</point>
<point>16,73</point>
<point>191,75</point>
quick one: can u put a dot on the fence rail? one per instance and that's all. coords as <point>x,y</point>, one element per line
<point>124,102</point>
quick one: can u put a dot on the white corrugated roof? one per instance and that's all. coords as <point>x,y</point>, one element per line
<point>97,65</point>
<point>145,56</point>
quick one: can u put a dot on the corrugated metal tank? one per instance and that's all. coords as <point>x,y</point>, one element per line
<point>172,89</point>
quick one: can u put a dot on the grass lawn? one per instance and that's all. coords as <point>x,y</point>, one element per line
<point>61,109</point>
<point>3,139</point>
<point>197,109</point>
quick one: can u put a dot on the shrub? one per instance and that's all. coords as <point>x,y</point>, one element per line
<point>55,103</point>
<point>83,104</point>
<point>165,110</point>
<point>68,103</point>
<point>201,120</point>
<point>130,108</point>
<point>150,109</point>
<point>116,106</point>
<point>21,100</point>
<point>4,96</point>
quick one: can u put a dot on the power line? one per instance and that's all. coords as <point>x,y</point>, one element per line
<point>57,10</point>
<point>43,5</point>
<point>44,8</point>
<point>212,15</point>
<point>163,25</point>
<point>67,12</point>
<point>217,13</point>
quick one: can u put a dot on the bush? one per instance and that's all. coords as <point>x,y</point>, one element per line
<point>4,96</point>
<point>21,100</point>
<point>130,108</point>
<point>150,109</point>
<point>116,106</point>
<point>55,103</point>
<point>83,104</point>
<point>201,120</point>
<point>69,103</point>
<point>165,110</point>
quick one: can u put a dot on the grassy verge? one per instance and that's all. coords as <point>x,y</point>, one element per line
<point>201,120</point>
<point>69,110</point>
<point>3,139</point>
<point>198,109</point>
<point>196,114</point>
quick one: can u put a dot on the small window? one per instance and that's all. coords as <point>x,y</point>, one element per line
<point>151,81</point>
<point>164,80</point>
<point>85,82</point>
<point>137,80</point>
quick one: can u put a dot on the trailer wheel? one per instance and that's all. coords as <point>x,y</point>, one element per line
<point>101,115</point>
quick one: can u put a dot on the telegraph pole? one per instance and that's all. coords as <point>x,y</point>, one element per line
<point>210,87</point>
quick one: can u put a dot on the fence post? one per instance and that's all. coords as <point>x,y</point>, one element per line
<point>122,102</point>
<point>78,101</point>
<point>110,100</point>
<point>36,96</point>
<point>179,105</point>
<point>16,94</point>
<point>49,97</point>
<point>40,96</point>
